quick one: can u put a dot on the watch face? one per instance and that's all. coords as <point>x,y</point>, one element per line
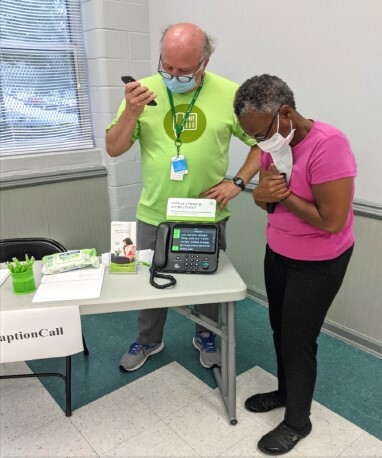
<point>239,182</point>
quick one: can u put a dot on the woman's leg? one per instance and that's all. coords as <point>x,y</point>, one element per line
<point>310,290</point>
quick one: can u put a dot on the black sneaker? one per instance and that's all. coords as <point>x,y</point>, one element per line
<point>264,402</point>
<point>282,439</point>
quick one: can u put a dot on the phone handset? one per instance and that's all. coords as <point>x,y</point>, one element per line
<point>130,79</point>
<point>161,245</point>
<point>160,256</point>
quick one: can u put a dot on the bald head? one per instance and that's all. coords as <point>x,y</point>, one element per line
<point>185,51</point>
<point>187,40</point>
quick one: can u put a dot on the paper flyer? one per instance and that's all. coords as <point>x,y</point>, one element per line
<point>123,253</point>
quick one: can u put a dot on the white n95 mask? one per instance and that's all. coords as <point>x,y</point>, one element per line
<point>278,147</point>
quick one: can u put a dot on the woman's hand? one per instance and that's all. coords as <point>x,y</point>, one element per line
<point>272,187</point>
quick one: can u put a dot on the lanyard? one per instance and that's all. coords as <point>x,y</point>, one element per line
<point>179,127</point>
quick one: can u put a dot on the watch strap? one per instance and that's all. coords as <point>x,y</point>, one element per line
<point>239,182</point>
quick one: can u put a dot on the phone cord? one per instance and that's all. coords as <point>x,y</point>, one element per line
<point>154,274</point>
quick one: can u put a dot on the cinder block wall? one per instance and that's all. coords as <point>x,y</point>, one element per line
<point>118,43</point>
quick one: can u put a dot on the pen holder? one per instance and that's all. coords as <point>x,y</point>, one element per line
<point>23,282</point>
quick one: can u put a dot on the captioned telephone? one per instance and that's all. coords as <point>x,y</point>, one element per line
<point>191,248</point>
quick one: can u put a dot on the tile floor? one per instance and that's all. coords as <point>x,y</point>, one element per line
<point>168,413</point>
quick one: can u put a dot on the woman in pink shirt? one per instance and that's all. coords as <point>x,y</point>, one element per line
<point>309,241</point>
<point>128,250</point>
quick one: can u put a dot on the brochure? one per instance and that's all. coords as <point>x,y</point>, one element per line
<point>123,253</point>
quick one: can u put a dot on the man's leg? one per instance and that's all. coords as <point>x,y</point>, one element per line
<point>150,321</point>
<point>204,339</point>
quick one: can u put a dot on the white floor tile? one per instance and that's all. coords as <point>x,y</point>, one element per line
<point>169,389</point>
<point>57,438</point>
<point>24,410</point>
<point>203,425</point>
<point>10,385</point>
<point>158,440</point>
<point>364,445</point>
<point>113,419</point>
<point>128,421</point>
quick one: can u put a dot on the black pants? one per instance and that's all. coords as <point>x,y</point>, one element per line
<point>299,296</point>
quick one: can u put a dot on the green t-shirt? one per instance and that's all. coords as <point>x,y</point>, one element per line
<point>205,141</point>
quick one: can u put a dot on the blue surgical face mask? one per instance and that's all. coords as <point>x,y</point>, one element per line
<point>177,86</point>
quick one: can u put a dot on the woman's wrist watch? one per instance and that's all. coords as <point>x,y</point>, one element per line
<point>239,182</point>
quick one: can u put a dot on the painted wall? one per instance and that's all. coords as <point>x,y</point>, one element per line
<point>75,213</point>
<point>117,43</point>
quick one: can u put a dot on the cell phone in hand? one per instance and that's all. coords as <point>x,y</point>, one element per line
<point>129,79</point>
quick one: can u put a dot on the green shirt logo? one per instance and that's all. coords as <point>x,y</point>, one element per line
<point>193,127</point>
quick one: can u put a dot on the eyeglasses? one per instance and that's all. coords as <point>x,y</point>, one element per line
<point>260,138</point>
<point>180,78</point>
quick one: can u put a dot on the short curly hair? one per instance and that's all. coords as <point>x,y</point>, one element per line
<point>264,93</point>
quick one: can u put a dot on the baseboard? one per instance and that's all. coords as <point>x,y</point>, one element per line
<point>347,335</point>
<point>352,337</point>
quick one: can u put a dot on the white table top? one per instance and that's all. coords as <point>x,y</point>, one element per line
<point>121,292</point>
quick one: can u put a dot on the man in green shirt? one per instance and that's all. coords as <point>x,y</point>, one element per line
<point>193,122</point>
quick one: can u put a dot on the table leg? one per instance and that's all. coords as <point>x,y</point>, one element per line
<point>226,375</point>
<point>231,362</point>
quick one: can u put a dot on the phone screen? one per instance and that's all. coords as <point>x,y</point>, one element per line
<point>194,239</point>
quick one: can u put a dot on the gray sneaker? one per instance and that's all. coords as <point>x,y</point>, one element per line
<point>137,355</point>
<point>209,354</point>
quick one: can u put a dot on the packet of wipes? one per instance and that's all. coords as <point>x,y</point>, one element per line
<point>69,260</point>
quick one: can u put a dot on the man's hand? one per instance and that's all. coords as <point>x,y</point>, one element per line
<point>271,188</point>
<point>222,192</point>
<point>137,97</point>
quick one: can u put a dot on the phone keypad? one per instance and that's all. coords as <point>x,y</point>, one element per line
<point>192,262</point>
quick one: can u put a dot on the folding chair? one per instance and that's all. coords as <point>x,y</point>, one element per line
<point>38,247</point>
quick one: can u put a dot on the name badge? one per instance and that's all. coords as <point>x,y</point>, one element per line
<point>178,168</point>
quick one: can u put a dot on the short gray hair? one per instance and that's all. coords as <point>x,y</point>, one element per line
<point>264,93</point>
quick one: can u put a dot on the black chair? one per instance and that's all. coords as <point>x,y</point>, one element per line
<point>38,247</point>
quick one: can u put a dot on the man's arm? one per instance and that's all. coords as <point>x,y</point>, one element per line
<point>227,189</point>
<point>119,137</point>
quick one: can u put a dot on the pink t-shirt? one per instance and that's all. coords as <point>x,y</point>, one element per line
<point>323,155</point>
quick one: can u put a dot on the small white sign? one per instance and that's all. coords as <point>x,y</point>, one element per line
<point>40,333</point>
<point>179,209</point>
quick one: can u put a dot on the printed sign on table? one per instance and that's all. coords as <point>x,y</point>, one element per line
<point>40,333</point>
<point>179,209</point>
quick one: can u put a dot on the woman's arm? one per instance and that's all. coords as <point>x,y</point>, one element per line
<point>330,209</point>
